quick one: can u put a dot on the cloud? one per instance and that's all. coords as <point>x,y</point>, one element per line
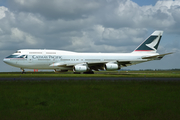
<point>129,14</point>
<point>19,36</point>
<point>2,12</point>
<point>114,23</point>
<point>56,9</point>
<point>86,25</point>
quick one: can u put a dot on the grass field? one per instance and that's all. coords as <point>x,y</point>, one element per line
<point>90,99</point>
<point>74,100</point>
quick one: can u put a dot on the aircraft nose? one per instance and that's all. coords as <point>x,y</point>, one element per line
<point>6,60</point>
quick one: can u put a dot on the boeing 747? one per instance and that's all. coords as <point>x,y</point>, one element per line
<point>62,61</point>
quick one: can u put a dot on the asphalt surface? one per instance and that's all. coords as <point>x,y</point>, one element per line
<point>89,78</point>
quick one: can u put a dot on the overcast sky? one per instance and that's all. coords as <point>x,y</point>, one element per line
<point>105,26</point>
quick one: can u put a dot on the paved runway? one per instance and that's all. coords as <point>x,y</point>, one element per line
<point>90,78</point>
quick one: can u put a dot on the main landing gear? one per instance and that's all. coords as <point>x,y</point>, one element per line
<point>23,71</point>
<point>89,72</point>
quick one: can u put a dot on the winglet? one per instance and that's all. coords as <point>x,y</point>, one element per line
<point>151,43</point>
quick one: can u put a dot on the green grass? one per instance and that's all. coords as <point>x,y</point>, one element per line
<point>89,100</point>
<point>165,74</point>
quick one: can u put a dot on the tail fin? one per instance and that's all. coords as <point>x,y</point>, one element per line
<point>151,43</point>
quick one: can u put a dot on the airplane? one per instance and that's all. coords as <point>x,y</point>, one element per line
<point>87,63</point>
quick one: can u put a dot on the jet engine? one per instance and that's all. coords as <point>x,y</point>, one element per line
<point>112,66</point>
<point>81,68</point>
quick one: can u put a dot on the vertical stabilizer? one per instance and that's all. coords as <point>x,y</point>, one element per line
<point>151,43</point>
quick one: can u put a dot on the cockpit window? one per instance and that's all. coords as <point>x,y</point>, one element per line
<point>18,51</point>
<point>17,56</point>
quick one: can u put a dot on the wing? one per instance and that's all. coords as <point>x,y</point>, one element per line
<point>99,65</point>
<point>92,65</point>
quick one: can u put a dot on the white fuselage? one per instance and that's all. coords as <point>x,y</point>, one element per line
<point>65,60</point>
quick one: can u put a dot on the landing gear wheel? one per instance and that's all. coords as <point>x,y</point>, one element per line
<point>77,73</point>
<point>23,71</point>
<point>89,72</point>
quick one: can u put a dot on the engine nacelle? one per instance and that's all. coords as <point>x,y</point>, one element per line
<point>112,66</point>
<point>81,68</point>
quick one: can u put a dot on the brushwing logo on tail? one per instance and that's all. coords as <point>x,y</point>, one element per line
<point>153,43</point>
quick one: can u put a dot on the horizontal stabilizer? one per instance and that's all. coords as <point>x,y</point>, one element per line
<point>157,56</point>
